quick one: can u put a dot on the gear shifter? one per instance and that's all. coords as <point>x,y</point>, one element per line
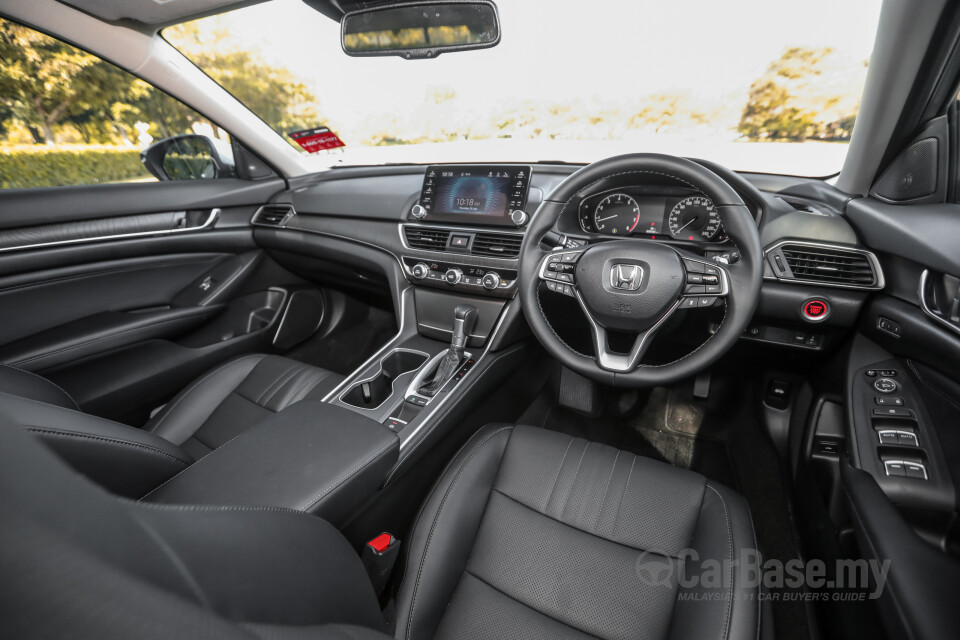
<point>464,319</point>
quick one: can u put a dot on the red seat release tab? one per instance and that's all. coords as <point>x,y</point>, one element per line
<point>381,542</point>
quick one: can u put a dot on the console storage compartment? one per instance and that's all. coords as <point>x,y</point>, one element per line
<point>313,457</point>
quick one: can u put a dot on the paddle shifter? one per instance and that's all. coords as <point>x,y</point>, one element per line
<point>464,319</point>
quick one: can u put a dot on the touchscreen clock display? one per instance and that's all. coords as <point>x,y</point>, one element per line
<point>482,194</point>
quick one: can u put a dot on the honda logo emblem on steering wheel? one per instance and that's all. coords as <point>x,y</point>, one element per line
<point>626,277</point>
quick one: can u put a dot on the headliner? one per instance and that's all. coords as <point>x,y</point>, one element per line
<point>161,13</point>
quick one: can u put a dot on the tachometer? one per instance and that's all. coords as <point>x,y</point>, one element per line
<point>694,218</point>
<point>616,214</point>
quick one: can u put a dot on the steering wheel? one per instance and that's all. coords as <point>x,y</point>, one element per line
<point>635,286</point>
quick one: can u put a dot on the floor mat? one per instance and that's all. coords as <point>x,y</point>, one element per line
<point>359,334</point>
<point>719,438</point>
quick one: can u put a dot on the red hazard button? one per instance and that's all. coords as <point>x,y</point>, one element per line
<point>815,309</point>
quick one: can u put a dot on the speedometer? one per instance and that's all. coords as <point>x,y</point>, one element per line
<point>616,214</point>
<point>694,218</point>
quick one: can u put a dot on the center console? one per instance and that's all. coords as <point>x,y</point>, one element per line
<point>465,229</point>
<point>310,457</point>
<point>460,241</point>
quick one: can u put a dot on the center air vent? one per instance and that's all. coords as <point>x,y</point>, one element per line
<point>497,245</point>
<point>825,265</point>
<point>273,215</point>
<point>426,239</point>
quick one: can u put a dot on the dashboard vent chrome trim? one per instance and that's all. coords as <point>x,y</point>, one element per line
<point>273,215</point>
<point>825,265</point>
<point>426,239</point>
<point>496,245</point>
<point>412,237</point>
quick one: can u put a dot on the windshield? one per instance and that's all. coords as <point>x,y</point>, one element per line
<point>754,85</point>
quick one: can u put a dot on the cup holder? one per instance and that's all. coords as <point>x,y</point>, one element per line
<point>370,394</point>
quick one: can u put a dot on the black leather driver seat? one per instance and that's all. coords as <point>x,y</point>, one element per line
<point>535,534</point>
<point>528,534</point>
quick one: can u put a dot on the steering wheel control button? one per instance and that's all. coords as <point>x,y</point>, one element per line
<point>694,289</point>
<point>558,267</point>
<point>885,385</point>
<point>694,278</point>
<point>815,310</point>
<point>693,266</point>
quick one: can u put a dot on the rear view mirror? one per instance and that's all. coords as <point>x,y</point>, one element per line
<point>189,157</point>
<point>420,29</point>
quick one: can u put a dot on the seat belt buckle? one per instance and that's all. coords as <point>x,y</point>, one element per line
<point>379,555</point>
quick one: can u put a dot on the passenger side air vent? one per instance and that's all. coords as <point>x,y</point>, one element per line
<point>497,245</point>
<point>273,215</point>
<point>826,265</point>
<point>426,239</point>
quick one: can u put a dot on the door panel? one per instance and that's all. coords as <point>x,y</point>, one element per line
<point>902,494</point>
<point>124,293</point>
<point>29,207</point>
<point>56,297</point>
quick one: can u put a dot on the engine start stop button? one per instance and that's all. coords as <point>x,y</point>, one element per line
<point>815,309</point>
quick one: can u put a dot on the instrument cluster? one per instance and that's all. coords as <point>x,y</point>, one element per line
<point>636,212</point>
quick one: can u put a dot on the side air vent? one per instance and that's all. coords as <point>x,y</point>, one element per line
<point>273,215</point>
<point>426,239</point>
<point>805,207</point>
<point>497,245</point>
<point>826,265</point>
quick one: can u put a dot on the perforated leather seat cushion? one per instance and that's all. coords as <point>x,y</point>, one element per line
<point>534,534</point>
<point>228,400</point>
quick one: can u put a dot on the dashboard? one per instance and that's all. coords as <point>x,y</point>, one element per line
<point>660,213</point>
<point>375,222</point>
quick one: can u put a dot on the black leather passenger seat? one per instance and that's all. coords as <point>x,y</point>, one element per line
<point>217,407</point>
<point>228,400</point>
<point>528,534</point>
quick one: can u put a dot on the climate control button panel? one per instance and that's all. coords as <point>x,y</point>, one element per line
<point>460,277</point>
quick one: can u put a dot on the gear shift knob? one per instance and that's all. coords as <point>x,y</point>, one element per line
<point>464,320</point>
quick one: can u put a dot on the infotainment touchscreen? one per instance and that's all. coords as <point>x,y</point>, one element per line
<point>477,194</point>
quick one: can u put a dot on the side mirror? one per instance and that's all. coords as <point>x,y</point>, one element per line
<point>420,28</point>
<point>189,157</point>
